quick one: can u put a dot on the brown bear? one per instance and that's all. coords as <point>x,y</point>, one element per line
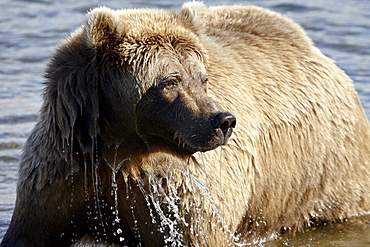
<point>134,143</point>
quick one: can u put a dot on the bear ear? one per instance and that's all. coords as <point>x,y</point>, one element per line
<point>192,14</point>
<point>104,27</point>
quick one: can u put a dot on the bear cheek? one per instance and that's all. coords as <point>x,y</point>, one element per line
<point>151,115</point>
<point>170,94</point>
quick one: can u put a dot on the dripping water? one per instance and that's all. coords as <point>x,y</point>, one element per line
<point>95,182</point>
<point>148,202</point>
<point>115,188</point>
<point>169,224</point>
<point>136,227</point>
<point>163,202</point>
<point>74,235</point>
<point>126,179</point>
<point>114,170</point>
<point>87,197</point>
<point>67,156</point>
<point>162,199</point>
<point>128,186</point>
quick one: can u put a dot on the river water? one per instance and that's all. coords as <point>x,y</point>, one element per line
<point>30,31</point>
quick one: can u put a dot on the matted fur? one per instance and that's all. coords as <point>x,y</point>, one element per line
<point>299,154</point>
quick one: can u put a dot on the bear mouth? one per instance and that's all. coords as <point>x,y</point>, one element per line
<point>191,146</point>
<point>183,146</point>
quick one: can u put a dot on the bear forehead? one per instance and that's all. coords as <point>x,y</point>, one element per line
<point>151,23</point>
<point>138,24</point>
<point>140,33</point>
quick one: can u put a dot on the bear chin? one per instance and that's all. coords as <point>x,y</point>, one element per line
<point>181,146</point>
<point>186,146</point>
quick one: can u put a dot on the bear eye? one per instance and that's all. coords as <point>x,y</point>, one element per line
<point>171,81</point>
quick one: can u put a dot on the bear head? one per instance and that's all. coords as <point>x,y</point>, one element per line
<point>137,79</point>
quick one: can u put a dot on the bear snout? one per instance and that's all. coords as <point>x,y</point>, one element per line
<point>223,124</point>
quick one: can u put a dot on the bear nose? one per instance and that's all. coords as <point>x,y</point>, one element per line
<point>223,124</point>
